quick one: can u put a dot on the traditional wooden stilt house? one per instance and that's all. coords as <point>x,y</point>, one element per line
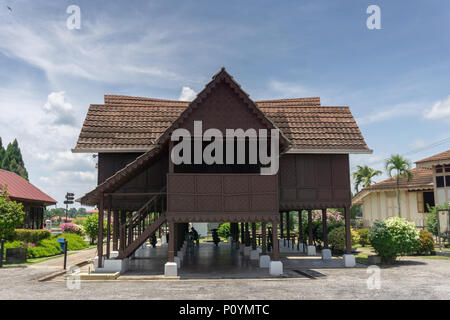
<point>143,188</point>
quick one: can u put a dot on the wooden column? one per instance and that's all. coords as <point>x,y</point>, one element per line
<point>171,242</point>
<point>324,228</point>
<point>288,226</point>
<point>115,230</point>
<point>123,232</point>
<point>310,234</point>
<point>242,234</point>
<point>275,255</point>
<point>300,228</point>
<point>253,236</point>
<point>108,228</point>
<point>281,225</point>
<point>348,234</point>
<point>264,240</point>
<point>247,235</point>
<point>100,231</point>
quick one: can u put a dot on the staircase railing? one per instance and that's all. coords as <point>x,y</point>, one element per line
<point>142,224</point>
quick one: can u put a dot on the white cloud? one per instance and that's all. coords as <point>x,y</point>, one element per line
<point>61,110</point>
<point>388,113</point>
<point>440,110</point>
<point>187,94</point>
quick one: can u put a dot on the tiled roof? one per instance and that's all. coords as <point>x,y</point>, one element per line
<point>135,123</point>
<point>20,189</point>
<point>422,177</point>
<point>443,156</point>
<point>422,180</point>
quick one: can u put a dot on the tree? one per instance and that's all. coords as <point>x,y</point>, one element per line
<point>2,152</point>
<point>11,159</point>
<point>363,175</point>
<point>11,215</point>
<point>91,227</point>
<point>402,167</point>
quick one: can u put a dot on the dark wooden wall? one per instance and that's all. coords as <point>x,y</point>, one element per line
<point>153,179</point>
<point>314,181</point>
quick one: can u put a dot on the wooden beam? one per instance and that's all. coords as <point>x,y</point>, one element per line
<point>171,242</point>
<point>108,228</point>
<point>100,231</point>
<point>253,236</point>
<point>348,234</point>
<point>264,239</point>
<point>324,228</point>
<point>275,254</point>
<point>310,233</point>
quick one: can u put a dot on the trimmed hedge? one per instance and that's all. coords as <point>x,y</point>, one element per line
<point>31,235</point>
<point>49,247</point>
<point>336,238</point>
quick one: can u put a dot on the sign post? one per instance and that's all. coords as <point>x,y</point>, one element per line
<point>69,200</point>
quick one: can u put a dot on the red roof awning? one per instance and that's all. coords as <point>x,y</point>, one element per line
<point>20,189</point>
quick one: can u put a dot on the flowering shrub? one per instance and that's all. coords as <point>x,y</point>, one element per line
<point>426,243</point>
<point>336,238</point>
<point>70,228</point>
<point>363,236</point>
<point>394,237</point>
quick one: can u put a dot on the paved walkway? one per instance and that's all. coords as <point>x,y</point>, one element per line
<point>73,258</point>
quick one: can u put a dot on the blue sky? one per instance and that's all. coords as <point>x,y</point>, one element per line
<point>396,80</point>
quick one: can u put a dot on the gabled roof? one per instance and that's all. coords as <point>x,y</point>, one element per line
<point>134,124</point>
<point>20,189</point>
<point>437,159</point>
<point>221,76</point>
<point>422,180</point>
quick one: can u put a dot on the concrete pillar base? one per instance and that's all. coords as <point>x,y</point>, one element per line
<point>264,261</point>
<point>177,261</point>
<point>275,268</point>
<point>114,265</point>
<point>247,251</point>
<point>326,254</point>
<point>180,255</point>
<point>301,247</point>
<point>254,255</point>
<point>96,262</point>
<point>349,260</point>
<point>230,240</point>
<point>113,254</point>
<point>311,250</point>
<point>170,269</point>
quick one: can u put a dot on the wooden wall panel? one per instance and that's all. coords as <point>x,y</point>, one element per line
<point>314,181</point>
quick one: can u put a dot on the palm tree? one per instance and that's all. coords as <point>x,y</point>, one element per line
<point>363,175</point>
<point>402,167</point>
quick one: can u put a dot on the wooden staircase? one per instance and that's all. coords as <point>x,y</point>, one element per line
<point>142,224</point>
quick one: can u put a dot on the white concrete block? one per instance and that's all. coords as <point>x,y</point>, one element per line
<point>259,249</point>
<point>311,250</point>
<point>180,255</point>
<point>301,247</point>
<point>170,269</point>
<point>230,240</point>
<point>247,251</point>
<point>95,261</point>
<point>275,268</point>
<point>264,261</point>
<point>163,240</point>
<point>254,255</point>
<point>177,261</point>
<point>326,254</point>
<point>349,260</point>
<point>113,254</point>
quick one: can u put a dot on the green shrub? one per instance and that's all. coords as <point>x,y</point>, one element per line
<point>45,248</point>
<point>11,215</point>
<point>426,243</point>
<point>224,230</point>
<point>363,237</point>
<point>394,237</point>
<point>336,238</point>
<point>30,235</point>
<point>74,241</point>
<point>91,227</point>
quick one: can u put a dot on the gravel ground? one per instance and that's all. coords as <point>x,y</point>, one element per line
<point>411,278</point>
